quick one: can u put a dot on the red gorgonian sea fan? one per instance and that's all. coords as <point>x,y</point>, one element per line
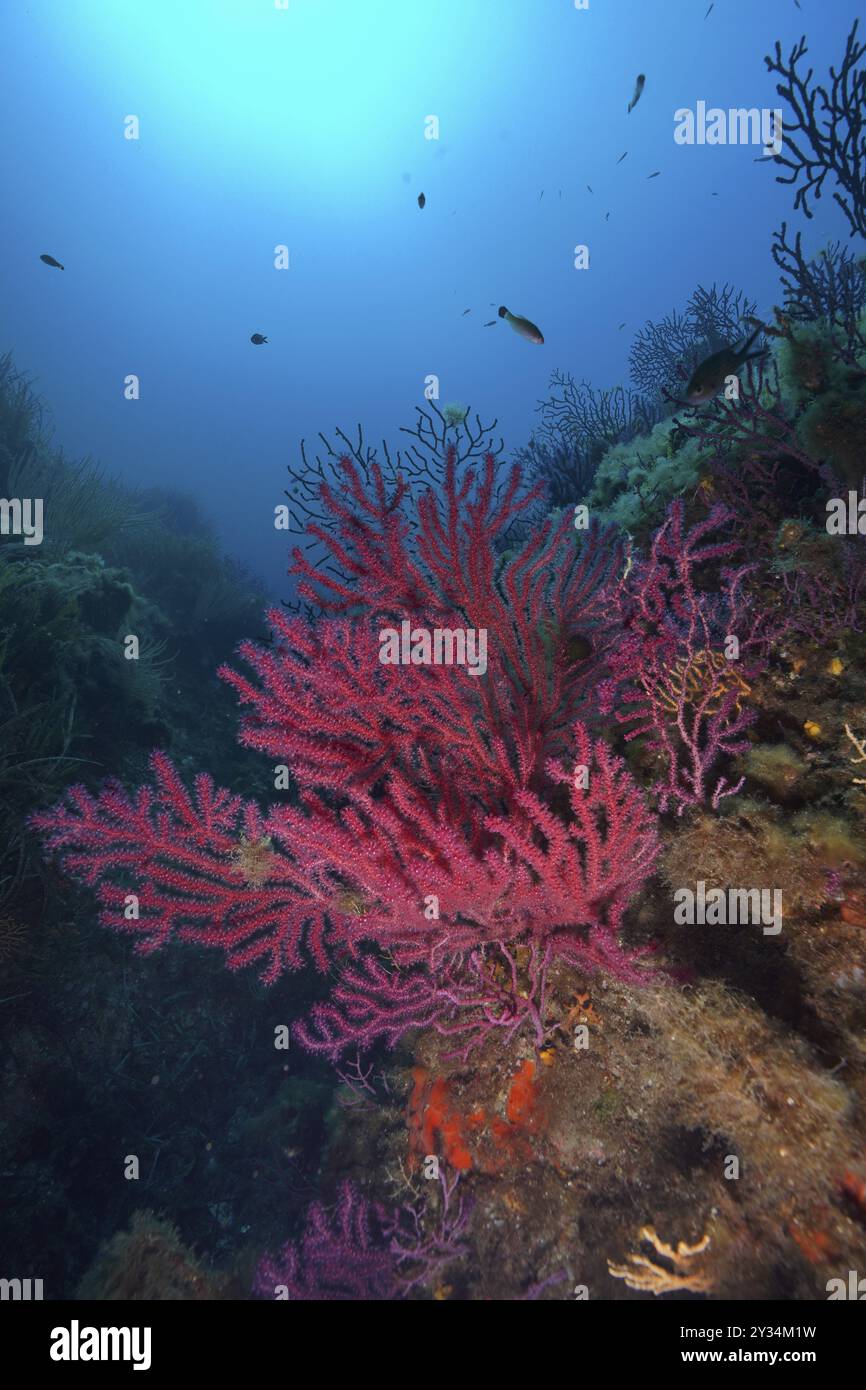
<point>454,833</point>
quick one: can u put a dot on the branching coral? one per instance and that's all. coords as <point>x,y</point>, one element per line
<point>830,286</point>
<point>549,594</point>
<point>578,417</point>
<point>169,864</point>
<point>362,1251</point>
<point>755,426</point>
<point>435,435</point>
<point>664,354</point>
<point>567,470</point>
<point>443,852</point>
<point>650,1276</point>
<point>828,134</point>
<point>674,681</point>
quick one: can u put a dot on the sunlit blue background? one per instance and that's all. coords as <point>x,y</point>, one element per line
<point>262,125</point>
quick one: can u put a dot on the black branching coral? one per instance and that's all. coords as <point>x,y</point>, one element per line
<point>828,133</point>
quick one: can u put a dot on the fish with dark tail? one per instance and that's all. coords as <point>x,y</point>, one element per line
<point>709,378</point>
<point>49,260</point>
<point>524,327</point>
<point>258,339</point>
<point>638,88</point>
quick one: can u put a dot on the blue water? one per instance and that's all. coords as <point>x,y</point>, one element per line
<point>305,127</point>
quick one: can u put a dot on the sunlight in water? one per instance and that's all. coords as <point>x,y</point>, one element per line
<point>325,87</point>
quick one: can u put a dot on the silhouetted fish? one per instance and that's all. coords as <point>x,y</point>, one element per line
<point>491,324</point>
<point>638,88</point>
<point>622,157</point>
<point>655,175</point>
<point>49,260</point>
<point>258,339</point>
<point>421,200</point>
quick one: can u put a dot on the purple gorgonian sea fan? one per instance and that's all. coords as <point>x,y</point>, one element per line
<point>441,853</point>
<point>682,669</point>
<point>362,1251</point>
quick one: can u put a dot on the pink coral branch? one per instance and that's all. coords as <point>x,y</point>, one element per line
<point>672,681</point>
<point>167,864</point>
<point>430,848</point>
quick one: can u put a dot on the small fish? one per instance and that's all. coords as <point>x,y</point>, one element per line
<point>258,339</point>
<point>622,157</point>
<point>421,200</point>
<point>590,190</point>
<point>709,378</point>
<point>622,325</point>
<point>655,175</point>
<point>49,260</point>
<point>465,312</point>
<point>524,327</point>
<point>638,88</point>
<point>707,15</point>
<point>541,195</point>
<point>607,217</point>
<point>491,324</point>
